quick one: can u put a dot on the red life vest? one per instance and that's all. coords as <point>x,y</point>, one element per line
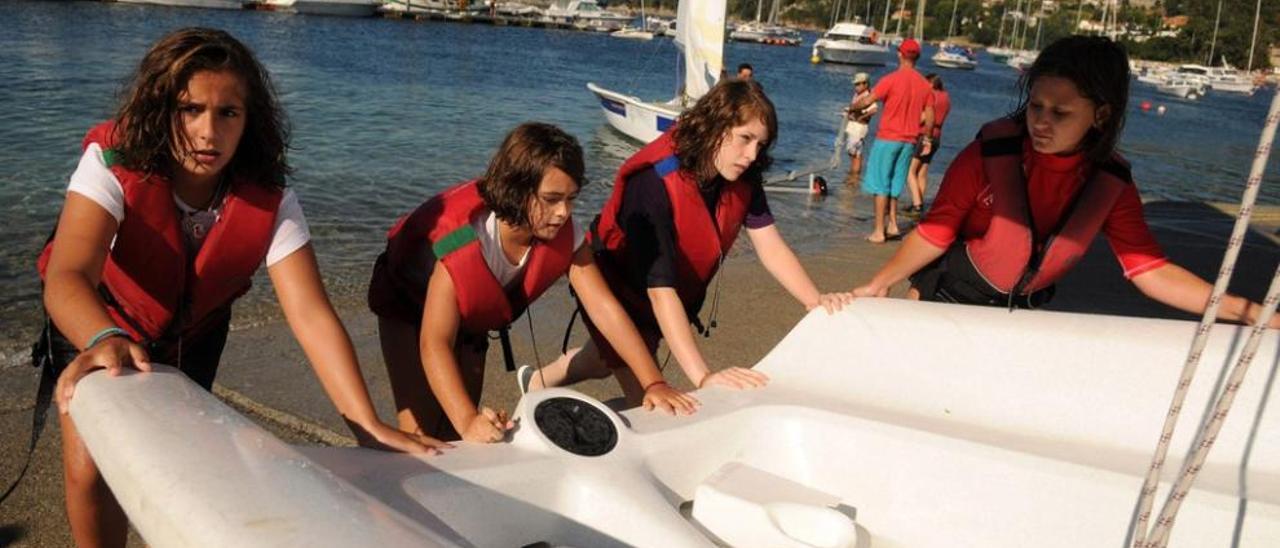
<point>147,274</point>
<point>701,242</point>
<point>442,225</point>
<point>1009,256</point>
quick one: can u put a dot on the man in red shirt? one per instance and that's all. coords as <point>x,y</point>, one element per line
<point>908,99</point>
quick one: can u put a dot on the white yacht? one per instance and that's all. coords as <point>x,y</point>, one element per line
<point>586,14</point>
<point>346,8</point>
<point>1229,79</point>
<point>853,44</point>
<point>1022,59</point>
<point>954,57</point>
<point>514,9</point>
<point>209,4</point>
<point>1179,85</point>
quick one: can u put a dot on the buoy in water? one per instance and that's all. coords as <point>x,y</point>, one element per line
<point>817,185</point>
<point>1145,106</point>
<point>1160,110</point>
<point>815,59</point>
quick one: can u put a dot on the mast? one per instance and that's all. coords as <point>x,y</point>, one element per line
<point>885,26</point>
<point>919,33</point>
<point>1257,12</point>
<point>951,27</point>
<point>902,5</point>
<point>1214,42</point>
<point>1013,32</point>
<point>1004,10</point>
<point>759,5</point>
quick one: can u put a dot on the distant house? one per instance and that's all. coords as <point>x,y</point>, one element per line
<point>1144,4</point>
<point>1176,22</point>
<point>1089,26</point>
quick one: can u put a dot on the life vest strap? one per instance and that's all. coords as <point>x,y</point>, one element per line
<point>454,241</point>
<point>1003,146</point>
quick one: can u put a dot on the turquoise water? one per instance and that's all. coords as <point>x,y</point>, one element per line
<point>387,112</point>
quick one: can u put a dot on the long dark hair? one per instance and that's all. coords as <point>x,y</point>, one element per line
<point>516,170</point>
<point>701,129</point>
<point>1100,70</point>
<point>148,122</point>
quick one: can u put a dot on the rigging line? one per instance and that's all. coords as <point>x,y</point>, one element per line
<point>1147,494</point>
<point>533,341</point>
<point>654,45</point>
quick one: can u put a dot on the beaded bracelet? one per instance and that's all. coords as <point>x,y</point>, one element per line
<point>106,333</point>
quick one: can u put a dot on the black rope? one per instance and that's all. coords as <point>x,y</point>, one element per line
<point>44,397</point>
<point>533,341</point>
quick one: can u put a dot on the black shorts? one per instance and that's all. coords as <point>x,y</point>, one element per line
<point>925,158</point>
<point>199,356</point>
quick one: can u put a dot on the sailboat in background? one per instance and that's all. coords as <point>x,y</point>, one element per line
<point>700,37</point>
<point>766,32</point>
<point>635,33</point>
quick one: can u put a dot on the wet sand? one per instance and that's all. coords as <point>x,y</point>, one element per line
<point>265,375</point>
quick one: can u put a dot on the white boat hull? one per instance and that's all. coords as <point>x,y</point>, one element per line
<point>1184,91</point>
<point>951,63</point>
<point>858,54</point>
<point>639,120</point>
<point>207,4</point>
<point>1008,429</point>
<point>632,34</point>
<point>344,8</point>
<point>1239,88</point>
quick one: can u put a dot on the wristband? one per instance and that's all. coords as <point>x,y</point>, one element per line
<point>653,384</point>
<point>105,334</point>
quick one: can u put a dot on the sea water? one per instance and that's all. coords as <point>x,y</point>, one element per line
<point>386,113</point>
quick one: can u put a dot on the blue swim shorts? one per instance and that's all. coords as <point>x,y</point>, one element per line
<point>887,168</point>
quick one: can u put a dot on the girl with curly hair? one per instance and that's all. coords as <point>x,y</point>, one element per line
<point>175,204</point>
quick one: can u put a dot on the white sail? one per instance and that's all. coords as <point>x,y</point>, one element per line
<point>700,34</point>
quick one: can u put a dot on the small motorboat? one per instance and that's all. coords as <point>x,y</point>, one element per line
<point>954,57</point>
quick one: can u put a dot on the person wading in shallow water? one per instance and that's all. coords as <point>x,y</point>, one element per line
<point>908,100</point>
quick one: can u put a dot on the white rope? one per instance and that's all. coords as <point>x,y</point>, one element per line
<point>1158,536</point>
<point>837,148</point>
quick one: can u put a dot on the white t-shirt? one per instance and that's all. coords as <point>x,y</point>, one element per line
<point>95,181</point>
<point>486,227</point>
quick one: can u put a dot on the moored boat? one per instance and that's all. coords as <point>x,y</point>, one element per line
<point>851,43</point>
<point>700,37</point>
<point>207,4</point>
<point>954,57</point>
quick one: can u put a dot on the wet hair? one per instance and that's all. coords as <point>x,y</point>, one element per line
<point>516,170</point>
<point>936,80</point>
<point>1099,68</point>
<point>148,122</point>
<point>702,128</point>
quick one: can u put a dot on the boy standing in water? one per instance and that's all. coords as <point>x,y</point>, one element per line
<point>908,99</point>
<point>858,125</point>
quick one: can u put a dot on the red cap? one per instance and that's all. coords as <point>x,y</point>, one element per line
<point>910,48</point>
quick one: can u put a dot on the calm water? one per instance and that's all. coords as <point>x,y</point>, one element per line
<point>385,113</point>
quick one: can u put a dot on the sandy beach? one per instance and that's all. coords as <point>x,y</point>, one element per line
<point>264,374</point>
